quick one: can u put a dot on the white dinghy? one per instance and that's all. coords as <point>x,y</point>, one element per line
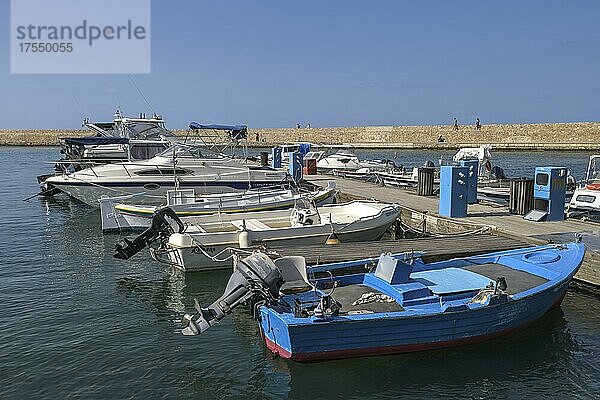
<point>117,214</point>
<point>204,243</point>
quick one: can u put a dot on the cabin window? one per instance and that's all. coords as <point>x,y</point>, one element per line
<point>542,179</point>
<point>145,151</point>
<point>162,172</point>
<point>586,198</point>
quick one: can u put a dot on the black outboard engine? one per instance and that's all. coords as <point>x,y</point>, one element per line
<point>255,275</point>
<point>164,224</point>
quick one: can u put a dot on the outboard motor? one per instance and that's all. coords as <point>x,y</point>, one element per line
<point>255,275</point>
<point>164,223</point>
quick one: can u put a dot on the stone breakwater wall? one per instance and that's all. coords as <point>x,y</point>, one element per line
<point>558,136</point>
<point>37,137</point>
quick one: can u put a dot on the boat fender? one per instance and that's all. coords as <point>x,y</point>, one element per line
<point>244,237</point>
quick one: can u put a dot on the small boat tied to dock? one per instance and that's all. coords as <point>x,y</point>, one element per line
<point>206,242</point>
<point>398,304</point>
<point>585,203</point>
<point>118,214</point>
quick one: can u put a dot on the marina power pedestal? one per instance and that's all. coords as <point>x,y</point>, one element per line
<point>473,166</point>
<point>304,148</point>
<point>295,167</point>
<point>453,191</point>
<point>276,157</point>
<point>549,190</point>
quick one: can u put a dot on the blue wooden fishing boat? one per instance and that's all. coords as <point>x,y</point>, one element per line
<point>403,305</point>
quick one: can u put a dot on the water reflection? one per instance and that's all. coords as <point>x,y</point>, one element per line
<point>522,359</point>
<point>165,294</point>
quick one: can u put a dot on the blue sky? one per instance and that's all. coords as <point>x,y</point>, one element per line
<point>336,63</point>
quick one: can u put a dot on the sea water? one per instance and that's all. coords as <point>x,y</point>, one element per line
<point>77,323</point>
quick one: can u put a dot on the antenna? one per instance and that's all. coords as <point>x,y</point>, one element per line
<point>141,94</point>
<point>80,106</point>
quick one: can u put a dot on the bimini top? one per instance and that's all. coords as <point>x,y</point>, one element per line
<point>235,128</point>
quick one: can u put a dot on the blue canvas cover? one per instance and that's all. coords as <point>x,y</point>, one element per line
<point>196,125</point>
<point>95,140</point>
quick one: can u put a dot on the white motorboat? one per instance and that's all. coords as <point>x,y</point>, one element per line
<point>123,139</point>
<point>345,160</point>
<point>182,166</point>
<point>482,154</point>
<point>204,243</point>
<point>116,214</point>
<point>585,202</point>
<point>340,160</point>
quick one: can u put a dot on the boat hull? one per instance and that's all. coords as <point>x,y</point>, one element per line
<point>585,205</point>
<point>339,338</point>
<point>192,259</point>
<point>156,191</point>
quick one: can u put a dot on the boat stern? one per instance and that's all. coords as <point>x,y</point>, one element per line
<point>275,333</point>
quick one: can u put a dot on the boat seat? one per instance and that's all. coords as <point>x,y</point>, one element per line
<point>293,272</point>
<point>251,224</point>
<point>451,280</point>
<point>392,270</point>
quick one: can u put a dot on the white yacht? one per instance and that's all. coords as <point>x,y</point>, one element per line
<point>123,139</point>
<point>585,203</point>
<point>180,166</point>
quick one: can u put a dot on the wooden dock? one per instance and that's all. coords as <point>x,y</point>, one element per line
<point>422,213</point>
<point>435,248</point>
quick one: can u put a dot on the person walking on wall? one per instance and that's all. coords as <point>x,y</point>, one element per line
<point>478,124</point>
<point>455,124</point>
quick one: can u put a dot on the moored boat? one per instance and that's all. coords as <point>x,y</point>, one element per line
<point>345,160</point>
<point>117,214</point>
<point>404,305</point>
<point>205,242</point>
<point>585,202</point>
<point>182,165</point>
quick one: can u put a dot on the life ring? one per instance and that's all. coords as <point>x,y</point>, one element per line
<point>488,166</point>
<point>593,186</point>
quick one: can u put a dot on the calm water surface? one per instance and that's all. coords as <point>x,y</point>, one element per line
<point>76,323</point>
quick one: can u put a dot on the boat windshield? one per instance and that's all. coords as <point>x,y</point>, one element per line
<point>594,170</point>
<point>188,151</point>
<point>313,155</point>
<point>146,130</point>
